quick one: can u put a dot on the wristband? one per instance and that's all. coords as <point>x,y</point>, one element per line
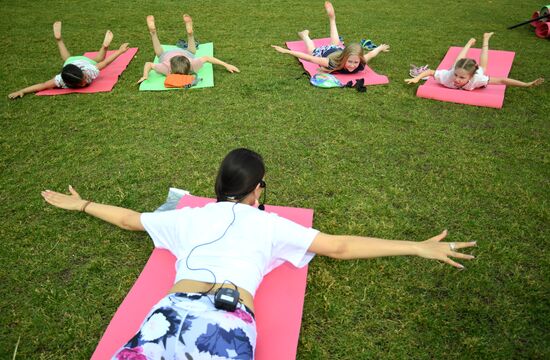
<point>83,208</point>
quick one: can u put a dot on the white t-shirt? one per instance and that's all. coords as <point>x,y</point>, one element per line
<point>256,242</point>
<point>90,71</point>
<point>446,78</point>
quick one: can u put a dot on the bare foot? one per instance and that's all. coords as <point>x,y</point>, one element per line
<point>151,24</point>
<point>57,30</point>
<point>330,10</point>
<point>188,23</point>
<point>487,36</point>
<point>536,82</point>
<point>472,41</point>
<point>303,34</point>
<point>108,39</point>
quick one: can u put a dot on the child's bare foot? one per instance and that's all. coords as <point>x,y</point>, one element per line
<point>330,10</point>
<point>303,34</point>
<point>108,39</point>
<point>188,23</point>
<point>536,82</point>
<point>57,30</point>
<point>151,24</point>
<point>487,36</point>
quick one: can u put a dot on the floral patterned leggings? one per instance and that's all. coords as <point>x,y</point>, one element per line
<point>189,327</point>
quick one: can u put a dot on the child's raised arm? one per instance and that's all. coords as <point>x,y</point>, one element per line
<point>422,75</point>
<point>493,80</point>
<point>300,55</point>
<point>464,51</point>
<point>50,84</point>
<point>372,54</point>
<point>213,60</point>
<point>109,59</point>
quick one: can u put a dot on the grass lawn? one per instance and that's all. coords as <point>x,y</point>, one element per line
<point>382,163</point>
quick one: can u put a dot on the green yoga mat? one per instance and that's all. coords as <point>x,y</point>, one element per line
<point>155,82</point>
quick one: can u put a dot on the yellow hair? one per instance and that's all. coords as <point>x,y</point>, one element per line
<point>339,58</point>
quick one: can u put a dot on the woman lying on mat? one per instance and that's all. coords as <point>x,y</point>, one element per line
<point>466,74</point>
<point>178,61</point>
<point>334,57</point>
<point>78,71</point>
<point>223,251</point>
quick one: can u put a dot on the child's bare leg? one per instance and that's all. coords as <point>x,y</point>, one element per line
<point>304,35</point>
<point>465,49</point>
<point>104,47</point>
<point>334,38</point>
<point>60,44</point>
<point>157,47</point>
<point>484,57</point>
<point>191,46</point>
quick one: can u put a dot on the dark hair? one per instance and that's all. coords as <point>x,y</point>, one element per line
<point>180,65</point>
<point>469,65</point>
<point>72,76</point>
<point>240,172</point>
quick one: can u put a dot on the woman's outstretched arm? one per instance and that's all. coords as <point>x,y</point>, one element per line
<point>358,247</point>
<point>123,218</point>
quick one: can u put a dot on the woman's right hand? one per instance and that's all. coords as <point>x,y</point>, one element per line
<point>280,49</point>
<point>63,201</point>
<point>412,81</point>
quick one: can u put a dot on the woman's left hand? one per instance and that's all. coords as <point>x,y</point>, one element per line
<point>67,202</point>
<point>434,248</point>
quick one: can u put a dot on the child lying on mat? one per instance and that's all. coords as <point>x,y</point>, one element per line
<point>178,61</point>
<point>466,74</point>
<point>78,71</point>
<point>334,57</point>
<point>230,245</point>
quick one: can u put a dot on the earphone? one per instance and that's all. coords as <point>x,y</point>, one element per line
<point>263,185</point>
<point>239,197</point>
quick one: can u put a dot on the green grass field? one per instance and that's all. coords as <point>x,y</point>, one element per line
<point>383,163</point>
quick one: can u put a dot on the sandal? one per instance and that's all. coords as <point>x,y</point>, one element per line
<point>368,44</point>
<point>417,70</point>
<point>184,45</point>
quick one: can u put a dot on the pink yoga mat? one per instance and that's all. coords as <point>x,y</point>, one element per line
<point>500,63</point>
<point>370,77</point>
<point>107,77</point>
<point>278,302</point>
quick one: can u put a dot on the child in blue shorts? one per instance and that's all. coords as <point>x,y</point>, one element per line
<point>78,71</point>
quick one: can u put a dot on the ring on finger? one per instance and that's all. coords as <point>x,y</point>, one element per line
<point>452,246</point>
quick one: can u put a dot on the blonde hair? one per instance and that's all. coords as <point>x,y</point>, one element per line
<point>180,65</point>
<point>339,58</point>
<point>468,65</point>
